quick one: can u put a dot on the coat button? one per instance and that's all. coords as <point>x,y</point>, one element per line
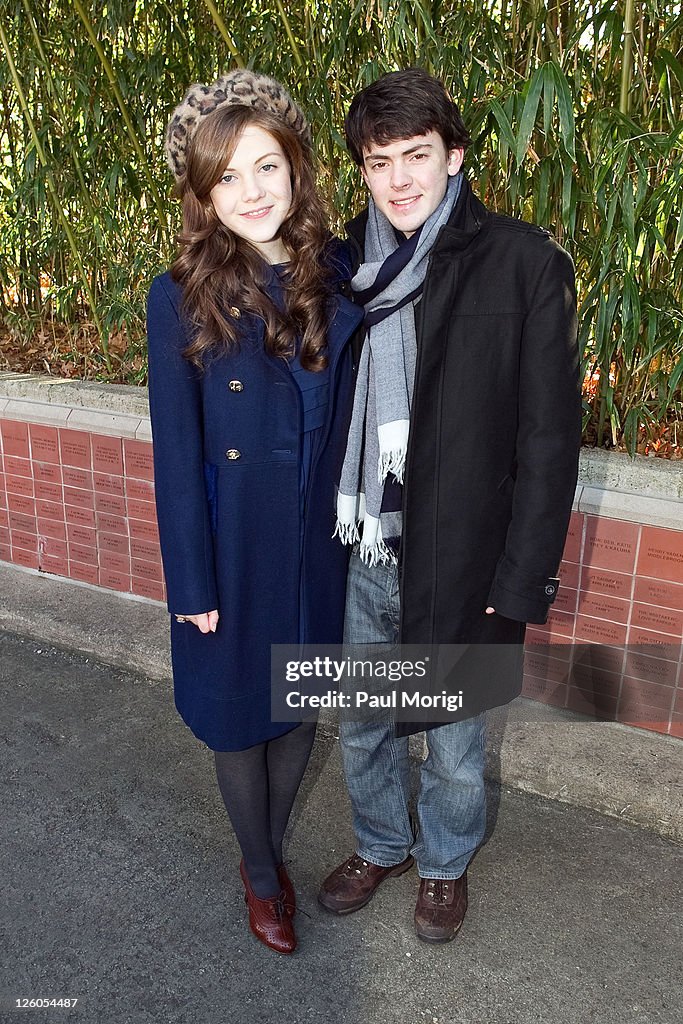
<point>232,453</point>
<point>236,385</point>
<point>234,312</point>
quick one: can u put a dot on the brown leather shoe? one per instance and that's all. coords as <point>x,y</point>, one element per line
<point>441,907</point>
<point>288,890</point>
<point>268,919</point>
<point>353,883</point>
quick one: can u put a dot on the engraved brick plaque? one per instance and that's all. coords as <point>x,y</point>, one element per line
<point>107,454</point>
<point>602,581</point>
<point>108,484</point>
<point>610,544</point>
<point>44,443</point>
<point>14,436</point>
<point>659,592</point>
<point>661,620</point>
<point>661,554</point>
<point>597,631</point>
<point>138,459</point>
<point>74,477</point>
<point>603,606</point>
<point>75,448</point>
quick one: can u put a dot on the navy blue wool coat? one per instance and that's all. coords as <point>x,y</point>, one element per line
<point>227,452</point>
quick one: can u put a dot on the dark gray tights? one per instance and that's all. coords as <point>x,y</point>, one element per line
<point>258,786</point>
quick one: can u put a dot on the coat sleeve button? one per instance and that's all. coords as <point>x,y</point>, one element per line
<point>236,385</point>
<point>232,454</point>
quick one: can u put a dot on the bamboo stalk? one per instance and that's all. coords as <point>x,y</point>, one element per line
<point>290,35</point>
<point>627,62</point>
<point>222,28</point>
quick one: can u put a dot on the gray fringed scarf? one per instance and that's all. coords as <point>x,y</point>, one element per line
<point>387,286</point>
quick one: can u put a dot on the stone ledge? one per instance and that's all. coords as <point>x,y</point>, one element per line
<point>97,421</point>
<point>634,508</point>
<point>617,471</point>
<point>86,394</point>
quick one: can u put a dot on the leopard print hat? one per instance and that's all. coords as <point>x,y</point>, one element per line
<point>246,88</point>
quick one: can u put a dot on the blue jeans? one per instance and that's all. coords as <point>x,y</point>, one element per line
<point>451,803</point>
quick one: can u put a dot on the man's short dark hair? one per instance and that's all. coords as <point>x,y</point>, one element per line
<point>400,105</point>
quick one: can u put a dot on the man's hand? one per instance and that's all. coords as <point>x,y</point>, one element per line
<point>205,623</point>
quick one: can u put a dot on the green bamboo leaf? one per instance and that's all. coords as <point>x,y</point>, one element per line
<point>630,315</point>
<point>665,58</point>
<point>652,325</point>
<point>631,424</point>
<point>503,123</point>
<point>548,98</point>
<point>567,190</point>
<point>679,231</point>
<point>529,114</point>
<point>565,107</point>
<point>611,214</point>
<point>628,211</point>
<point>675,378</point>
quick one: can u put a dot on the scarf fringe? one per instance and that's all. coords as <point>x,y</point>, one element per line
<point>372,553</point>
<point>377,554</point>
<point>393,461</point>
<point>348,533</point>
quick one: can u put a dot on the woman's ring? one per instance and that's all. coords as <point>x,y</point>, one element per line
<point>181,618</point>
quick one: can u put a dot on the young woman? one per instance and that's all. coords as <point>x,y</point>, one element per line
<point>249,378</point>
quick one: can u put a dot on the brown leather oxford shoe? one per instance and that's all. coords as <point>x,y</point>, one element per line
<point>351,885</point>
<point>441,907</point>
<point>268,919</point>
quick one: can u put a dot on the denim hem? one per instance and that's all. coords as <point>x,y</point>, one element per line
<point>379,863</point>
<point>443,876</point>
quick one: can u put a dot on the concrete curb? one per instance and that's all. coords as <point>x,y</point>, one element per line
<point>627,773</point>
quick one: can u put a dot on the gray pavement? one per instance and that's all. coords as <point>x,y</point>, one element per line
<point>119,886</point>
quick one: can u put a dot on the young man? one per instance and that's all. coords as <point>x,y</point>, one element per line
<point>468,401</point>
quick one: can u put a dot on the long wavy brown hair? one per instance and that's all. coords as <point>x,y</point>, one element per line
<point>217,270</point>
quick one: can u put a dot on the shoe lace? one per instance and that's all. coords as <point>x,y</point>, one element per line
<point>356,865</point>
<point>438,890</point>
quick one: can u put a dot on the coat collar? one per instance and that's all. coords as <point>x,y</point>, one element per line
<point>344,319</point>
<point>344,315</point>
<point>466,222</point>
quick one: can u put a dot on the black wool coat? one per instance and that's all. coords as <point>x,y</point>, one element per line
<point>495,431</point>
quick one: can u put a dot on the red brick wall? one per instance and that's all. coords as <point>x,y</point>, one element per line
<point>612,644</point>
<point>81,505</point>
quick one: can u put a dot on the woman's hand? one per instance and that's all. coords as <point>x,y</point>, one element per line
<point>205,623</point>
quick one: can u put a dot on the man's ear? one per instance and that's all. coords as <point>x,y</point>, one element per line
<point>365,177</point>
<point>455,159</point>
